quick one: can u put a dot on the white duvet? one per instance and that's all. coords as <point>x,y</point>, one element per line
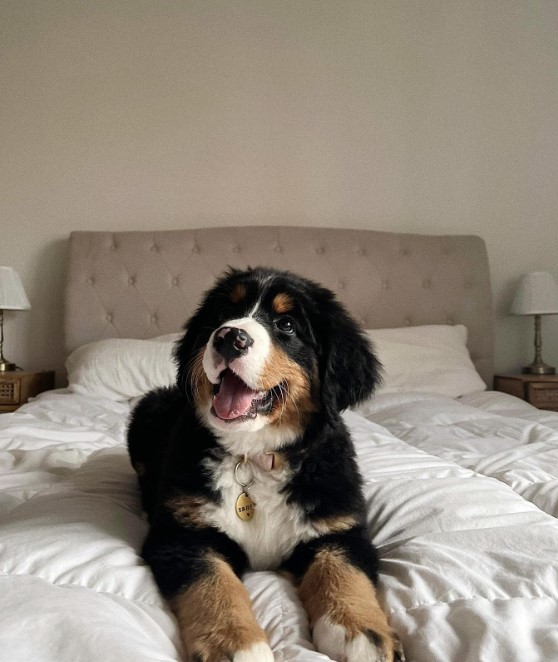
<point>493,434</point>
<point>469,560</point>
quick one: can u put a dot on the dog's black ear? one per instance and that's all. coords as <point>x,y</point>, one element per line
<point>349,370</point>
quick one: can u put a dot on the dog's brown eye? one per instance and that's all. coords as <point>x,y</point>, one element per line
<point>286,325</point>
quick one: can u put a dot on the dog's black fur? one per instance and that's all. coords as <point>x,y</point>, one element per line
<point>169,441</point>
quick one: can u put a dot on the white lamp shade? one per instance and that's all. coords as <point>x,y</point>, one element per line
<point>12,294</point>
<point>537,294</point>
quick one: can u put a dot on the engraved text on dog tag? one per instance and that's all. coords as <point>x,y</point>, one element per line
<point>245,506</point>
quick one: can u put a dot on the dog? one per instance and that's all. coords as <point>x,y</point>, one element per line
<point>246,464</point>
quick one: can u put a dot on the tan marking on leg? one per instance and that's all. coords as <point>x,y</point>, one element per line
<point>333,587</point>
<point>296,398</point>
<point>187,509</point>
<point>215,615</point>
<point>282,303</point>
<point>334,524</point>
<point>238,293</point>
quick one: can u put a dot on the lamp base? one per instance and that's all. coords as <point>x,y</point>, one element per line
<point>538,369</point>
<point>6,366</point>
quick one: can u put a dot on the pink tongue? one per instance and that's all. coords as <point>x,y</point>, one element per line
<point>234,398</point>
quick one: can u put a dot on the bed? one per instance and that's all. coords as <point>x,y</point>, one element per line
<point>461,482</point>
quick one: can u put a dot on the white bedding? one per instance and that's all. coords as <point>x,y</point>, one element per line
<point>469,560</point>
<point>493,434</point>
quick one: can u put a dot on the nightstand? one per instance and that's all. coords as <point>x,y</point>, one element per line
<point>538,390</point>
<point>18,386</point>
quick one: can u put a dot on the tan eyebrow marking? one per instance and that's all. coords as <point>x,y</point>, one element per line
<point>238,293</point>
<point>282,303</point>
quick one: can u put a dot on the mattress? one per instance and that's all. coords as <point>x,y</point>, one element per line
<point>461,499</point>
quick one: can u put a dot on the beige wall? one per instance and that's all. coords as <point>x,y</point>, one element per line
<point>426,116</point>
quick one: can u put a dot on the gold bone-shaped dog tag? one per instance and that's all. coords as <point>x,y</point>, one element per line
<point>245,507</point>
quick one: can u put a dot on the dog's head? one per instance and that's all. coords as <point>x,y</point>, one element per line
<point>267,350</point>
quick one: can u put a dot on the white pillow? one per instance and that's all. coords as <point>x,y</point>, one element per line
<point>121,369</point>
<point>427,359</point>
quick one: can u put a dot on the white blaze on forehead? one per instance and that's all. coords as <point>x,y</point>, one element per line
<point>250,365</point>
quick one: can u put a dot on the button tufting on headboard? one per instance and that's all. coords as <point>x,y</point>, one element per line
<point>150,282</point>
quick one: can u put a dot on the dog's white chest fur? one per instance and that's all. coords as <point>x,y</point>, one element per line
<point>276,527</point>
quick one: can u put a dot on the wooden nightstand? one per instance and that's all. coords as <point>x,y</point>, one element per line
<point>538,390</point>
<point>18,386</point>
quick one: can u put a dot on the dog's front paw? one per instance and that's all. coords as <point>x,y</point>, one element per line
<point>259,652</point>
<point>335,641</point>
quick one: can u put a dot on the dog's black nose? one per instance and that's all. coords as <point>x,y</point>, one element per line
<point>232,343</point>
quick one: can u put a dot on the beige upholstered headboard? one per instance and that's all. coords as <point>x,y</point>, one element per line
<point>145,284</point>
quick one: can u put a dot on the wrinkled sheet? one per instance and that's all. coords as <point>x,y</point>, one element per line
<point>491,433</point>
<point>469,566</point>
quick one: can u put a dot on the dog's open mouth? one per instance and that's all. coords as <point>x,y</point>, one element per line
<point>233,400</point>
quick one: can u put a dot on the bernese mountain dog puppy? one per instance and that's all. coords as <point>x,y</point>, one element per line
<point>246,464</point>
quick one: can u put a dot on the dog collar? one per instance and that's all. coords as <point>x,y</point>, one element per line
<point>264,461</point>
<point>244,506</point>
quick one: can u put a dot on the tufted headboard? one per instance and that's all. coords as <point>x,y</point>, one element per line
<point>145,284</point>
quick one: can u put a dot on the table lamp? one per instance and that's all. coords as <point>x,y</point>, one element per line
<point>536,294</point>
<point>12,297</point>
